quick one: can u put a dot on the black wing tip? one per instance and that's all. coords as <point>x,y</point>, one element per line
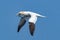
<point>31,34</point>
<point>17,30</point>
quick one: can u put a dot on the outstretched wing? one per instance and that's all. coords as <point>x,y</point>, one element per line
<point>21,23</point>
<point>31,28</point>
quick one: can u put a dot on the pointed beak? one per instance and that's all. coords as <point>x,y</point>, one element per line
<point>17,14</point>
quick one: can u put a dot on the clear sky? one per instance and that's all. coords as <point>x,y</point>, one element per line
<point>46,28</point>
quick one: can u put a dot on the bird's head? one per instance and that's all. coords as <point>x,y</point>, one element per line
<point>22,12</point>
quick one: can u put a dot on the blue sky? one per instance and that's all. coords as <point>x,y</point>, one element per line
<point>46,28</point>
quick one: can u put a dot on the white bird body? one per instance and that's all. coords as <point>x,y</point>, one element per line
<point>33,15</point>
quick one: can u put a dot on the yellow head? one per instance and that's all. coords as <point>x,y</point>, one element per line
<point>22,12</point>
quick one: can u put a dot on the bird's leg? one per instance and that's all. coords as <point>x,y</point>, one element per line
<point>31,28</point>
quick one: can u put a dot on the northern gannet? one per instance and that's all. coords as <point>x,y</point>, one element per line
<point>32,16</point>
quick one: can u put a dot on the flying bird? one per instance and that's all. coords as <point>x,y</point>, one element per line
<point>32,18</point>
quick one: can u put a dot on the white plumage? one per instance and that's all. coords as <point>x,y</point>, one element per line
<point>31,16</point>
